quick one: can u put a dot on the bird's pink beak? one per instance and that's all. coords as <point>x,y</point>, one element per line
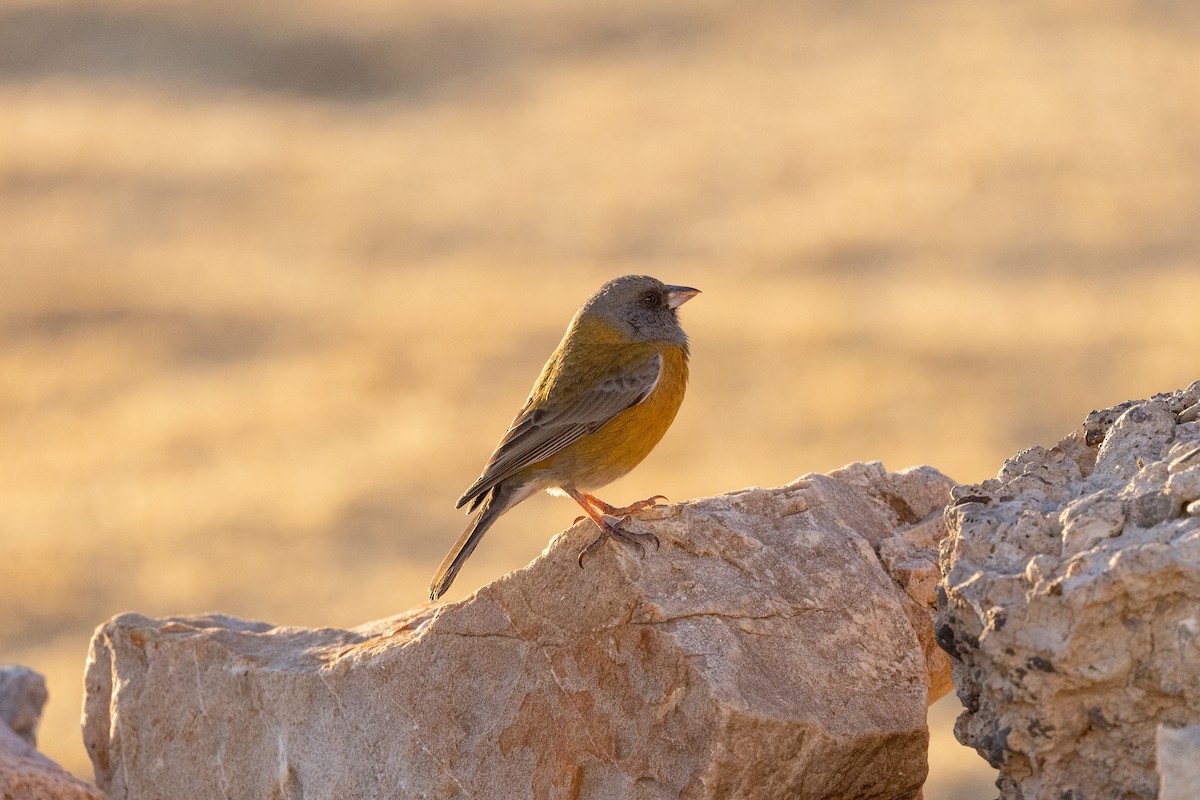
<point>678,295</point>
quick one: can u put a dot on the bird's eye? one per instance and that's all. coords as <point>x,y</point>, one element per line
<point>650,299</point>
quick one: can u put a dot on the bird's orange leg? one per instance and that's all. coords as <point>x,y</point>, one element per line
<point>597,515</point>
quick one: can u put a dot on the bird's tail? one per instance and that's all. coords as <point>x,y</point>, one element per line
<point>498,500</point>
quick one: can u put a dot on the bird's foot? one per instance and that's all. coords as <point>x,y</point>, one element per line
<point>633,508</point>
<point>616,531</point>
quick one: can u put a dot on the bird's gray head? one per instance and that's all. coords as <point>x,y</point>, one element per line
<point>641,306</point>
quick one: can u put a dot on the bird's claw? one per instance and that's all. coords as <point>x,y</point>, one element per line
<point>595,543</point>
<point>614,511</point>
<point>617,531</point>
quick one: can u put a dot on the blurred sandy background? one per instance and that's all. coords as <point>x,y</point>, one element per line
<point>275,277</point>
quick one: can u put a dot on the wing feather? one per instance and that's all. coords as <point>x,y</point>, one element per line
<point>540,432</point>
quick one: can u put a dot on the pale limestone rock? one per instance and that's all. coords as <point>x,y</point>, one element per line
<point>1070,604</point>
<point>778,645</point>
<point>26,774</point>
<point>1178,762</point>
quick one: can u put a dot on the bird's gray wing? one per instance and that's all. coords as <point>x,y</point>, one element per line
<point>538,433</point>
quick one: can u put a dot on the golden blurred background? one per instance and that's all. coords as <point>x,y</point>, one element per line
<point>275,278</point>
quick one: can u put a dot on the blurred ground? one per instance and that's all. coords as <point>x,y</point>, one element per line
<point>274,285</point>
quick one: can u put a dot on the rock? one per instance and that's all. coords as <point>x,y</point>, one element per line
<point>779,644</point>
<point>1178,762</point>
<point>22,695</point>
<point>26,774</point>
<point>1069,604</point>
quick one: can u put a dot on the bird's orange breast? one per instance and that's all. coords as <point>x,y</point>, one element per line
<point>619,445</point>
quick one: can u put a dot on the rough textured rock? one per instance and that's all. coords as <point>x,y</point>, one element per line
<point>22,696</point>
<point>1070,603</point>
<point>26,774</point>
<point>778,645</point>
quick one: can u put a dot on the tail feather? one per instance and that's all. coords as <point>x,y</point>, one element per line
<point>495,502</point>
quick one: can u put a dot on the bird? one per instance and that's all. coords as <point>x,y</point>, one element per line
<point>604,399</point>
